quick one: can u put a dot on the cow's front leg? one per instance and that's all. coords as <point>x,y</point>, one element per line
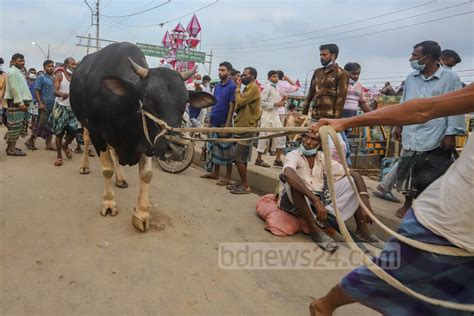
<point>120,180</point>
<point>84,168</point>
<point>141,215</point>
<point>109,205</point>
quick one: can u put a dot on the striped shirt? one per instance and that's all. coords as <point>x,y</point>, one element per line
<point>355,94</point>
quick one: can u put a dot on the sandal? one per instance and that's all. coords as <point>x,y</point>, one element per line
<point>58,162</point>
<point>278,163</point>
<point>388,196</point>
<point>240,190</point>
<point>261,163</point>
<point>223,182</point>
<point>16,153</point>
<point>325,243</point>
<point>371,239</point>
<point>30,145</point>
<point>232,186</point>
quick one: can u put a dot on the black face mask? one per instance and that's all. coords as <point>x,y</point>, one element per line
<point>246,80</point>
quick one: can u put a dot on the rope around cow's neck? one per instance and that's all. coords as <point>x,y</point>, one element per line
<point>327,131</point>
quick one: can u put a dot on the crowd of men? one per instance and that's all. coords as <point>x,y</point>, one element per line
<point>40,101</point>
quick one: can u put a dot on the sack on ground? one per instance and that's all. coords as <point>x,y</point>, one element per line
<point>278,222</point>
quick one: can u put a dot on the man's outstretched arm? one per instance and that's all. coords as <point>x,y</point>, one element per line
<point>415,111</point>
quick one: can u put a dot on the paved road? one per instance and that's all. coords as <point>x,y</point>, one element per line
<point>59,256</point>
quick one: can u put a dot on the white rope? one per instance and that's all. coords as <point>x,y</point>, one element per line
<point>165,128</point>
<point>327,131</point>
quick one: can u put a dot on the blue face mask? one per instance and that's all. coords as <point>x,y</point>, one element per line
<point>308,152</point>
<point>416,66</point>
<point>447,67</point>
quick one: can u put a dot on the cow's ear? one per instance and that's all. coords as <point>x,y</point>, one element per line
<point>117,85</point>
<point>201,99</point>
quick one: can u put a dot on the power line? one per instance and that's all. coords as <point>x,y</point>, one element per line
<point>106,5</point>
<point>350,31</point>
<point>175,19</point>
<point>121,20</point>
<point>328,28</point>
<point>135,13</point>
<point>350,37</point>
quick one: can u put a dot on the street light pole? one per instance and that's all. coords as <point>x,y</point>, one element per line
<point>36,44</point>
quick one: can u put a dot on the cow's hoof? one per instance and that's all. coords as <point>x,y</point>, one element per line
<point>141,221</point>
<point>109,210</point>
<point>84,170</point>
<point>121,184</point>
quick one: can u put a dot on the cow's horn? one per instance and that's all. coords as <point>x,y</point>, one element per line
<point>185,75</point>
<point>139,70</point>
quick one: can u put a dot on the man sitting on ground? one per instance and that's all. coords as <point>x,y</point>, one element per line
<point>303,192</point>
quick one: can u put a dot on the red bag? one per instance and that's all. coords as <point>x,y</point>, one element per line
<point>278,222</point>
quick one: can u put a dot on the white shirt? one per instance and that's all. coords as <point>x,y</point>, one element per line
<point>64,88</point>
<point>270,117</point>
<point>446,207</point>
<point>312,178</point>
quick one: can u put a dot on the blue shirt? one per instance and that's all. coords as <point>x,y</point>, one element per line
<point>224,94</point>
<point>428,136</point>
<point>193,112</point>
<point>44,84</point>
<point>31,86</point>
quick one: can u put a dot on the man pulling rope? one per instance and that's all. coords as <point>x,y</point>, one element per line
<point>441,217</point>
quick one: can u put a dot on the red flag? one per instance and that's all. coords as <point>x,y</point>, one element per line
<point>297,83</point>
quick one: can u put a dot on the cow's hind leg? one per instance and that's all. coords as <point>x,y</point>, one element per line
<point>109,205</point>
<point>141,215</point>
<point>120,180</point>
<point>84,168</point>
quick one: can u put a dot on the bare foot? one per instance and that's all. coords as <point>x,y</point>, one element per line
<point>401,211</point>
<point>317,308</point>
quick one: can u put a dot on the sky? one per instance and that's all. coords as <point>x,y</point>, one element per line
<point>265,34</point>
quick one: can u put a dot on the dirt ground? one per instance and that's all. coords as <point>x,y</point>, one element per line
<point>59,256</point>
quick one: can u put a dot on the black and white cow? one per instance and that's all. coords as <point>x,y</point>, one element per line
<point>107,90</point>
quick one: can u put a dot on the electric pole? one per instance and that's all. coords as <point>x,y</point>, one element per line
<point>210,63</point>
<point>96,14</point>
<point>97,25</point>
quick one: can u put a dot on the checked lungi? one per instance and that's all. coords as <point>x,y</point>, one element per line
<point>221,153</point>
<point>17,122</point>
<point>442,277</point>
<point>62,120</point>
<point>40,129</point>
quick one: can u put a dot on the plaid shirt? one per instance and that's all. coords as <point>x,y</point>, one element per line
<point>328,91</point>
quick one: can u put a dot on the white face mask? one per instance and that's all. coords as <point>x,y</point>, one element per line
<point>69,71</point>
<point>197,81</point>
